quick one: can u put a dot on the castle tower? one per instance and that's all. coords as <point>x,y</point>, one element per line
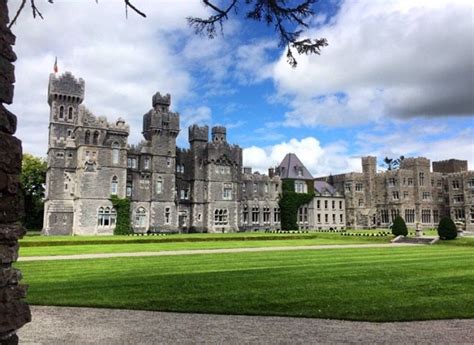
<point>369,169</point>
<point>219,134</point>
<point>160,129</point>
<point>65,94</point>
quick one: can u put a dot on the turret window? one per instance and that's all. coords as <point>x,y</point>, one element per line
<point>69,114</point>
<point>114,185</point>
<point>115,152</point>
<point>61,112</point>
<point>87,137</point>
<point>227,191</point>
<point>96,138</point>
<point>159,186</point>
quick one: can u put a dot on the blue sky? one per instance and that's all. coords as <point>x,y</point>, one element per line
<point>396,79</point>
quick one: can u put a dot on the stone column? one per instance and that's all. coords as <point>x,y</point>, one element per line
<point>14,313</point>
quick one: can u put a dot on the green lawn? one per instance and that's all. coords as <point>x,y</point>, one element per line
<point>124,244</point>
<point>377,284</point>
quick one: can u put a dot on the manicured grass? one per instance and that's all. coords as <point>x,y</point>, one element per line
<point>377,284</point>
<point>127,247</point>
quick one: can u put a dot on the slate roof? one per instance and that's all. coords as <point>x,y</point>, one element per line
<point>289,167</point>
<point>322,186</point>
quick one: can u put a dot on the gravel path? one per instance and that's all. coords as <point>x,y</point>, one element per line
<point>209,251</point>
<point>64,325</point>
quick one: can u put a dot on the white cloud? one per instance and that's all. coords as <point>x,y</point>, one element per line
<point>320,160</point>
<point>395,58</point>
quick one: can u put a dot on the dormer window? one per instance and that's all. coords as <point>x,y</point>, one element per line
<point>146,163</point>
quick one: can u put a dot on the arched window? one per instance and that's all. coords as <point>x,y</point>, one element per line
<point>61,112</point>
<point>114,185</point>
<point>96,138</point>
<point>69,114</point>
<point>140,217</point>
<point>220,216</point>
<point>115,152</point>
<point>159,185</point>
<point>106,217</point>
<point>87,137</point>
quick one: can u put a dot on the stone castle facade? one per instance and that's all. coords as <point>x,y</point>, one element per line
<point>414,191</point>
<point>205,188</point>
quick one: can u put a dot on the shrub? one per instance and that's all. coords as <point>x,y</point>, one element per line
<point>399,228</point>
<point>447,229</point>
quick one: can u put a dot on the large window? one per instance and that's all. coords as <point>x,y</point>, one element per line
<point>421,178</point>
<point>459,214</point>
<point>455,184</point>
<point>266,215</point>
<point>140,217</point>
<point>255,214</point>
<point>410,216</point>
<point>106,217</point>
<point>395,195</point>
<point>426,216</point>
<point>114,186</point>
<point>359,187</point>
<point>246,214</point>
<point>220,217</point>
<point>384,216</point>
<point>276,215</point>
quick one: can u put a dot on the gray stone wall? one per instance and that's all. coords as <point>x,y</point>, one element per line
<point>14,312</point>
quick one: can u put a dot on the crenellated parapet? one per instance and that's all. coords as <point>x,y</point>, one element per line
<point>65,87</point>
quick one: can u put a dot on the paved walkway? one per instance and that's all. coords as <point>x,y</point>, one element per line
<point>209,251</point>
<point>62,325</point>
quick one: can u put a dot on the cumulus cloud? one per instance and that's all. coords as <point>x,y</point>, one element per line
<point>398,58</point>
<point>319,160</point>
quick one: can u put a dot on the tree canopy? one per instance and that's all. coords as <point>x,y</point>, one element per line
<point>33,179</point>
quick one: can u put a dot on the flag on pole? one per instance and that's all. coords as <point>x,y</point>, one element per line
<point>55,68</point>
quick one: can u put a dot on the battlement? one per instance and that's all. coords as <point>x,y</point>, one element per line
<point>198,133</point>
<point>410,163</point>
<point>65,88</point>
<point>90,120</point>
<point>219,134</point>
<point>450,166</point>
<point>163,100</point>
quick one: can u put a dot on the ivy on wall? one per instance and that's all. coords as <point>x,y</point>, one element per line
<point>290,201</point>
<point>122,206</point>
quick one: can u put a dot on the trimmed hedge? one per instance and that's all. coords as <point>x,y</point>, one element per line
<point>447,229</point>
<point>399,228</point>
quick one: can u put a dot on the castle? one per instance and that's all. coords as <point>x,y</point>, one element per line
<point>206,189</point>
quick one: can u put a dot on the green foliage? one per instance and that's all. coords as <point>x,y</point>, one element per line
<point>32,180</point>
<point>290,201</point>
<point>447,229</point>
<point>399,228</point>
<point>122,206</point>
